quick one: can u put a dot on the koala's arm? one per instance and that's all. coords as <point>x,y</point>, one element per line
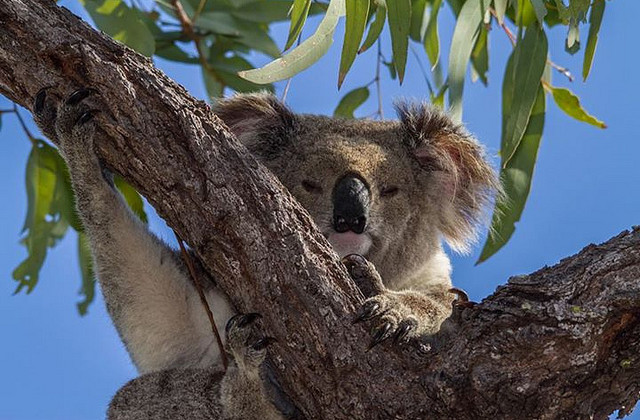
<point>399,314</point>
<point>148,294</point>
<point>198,394</point>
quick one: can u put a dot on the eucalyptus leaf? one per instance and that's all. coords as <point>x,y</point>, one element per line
<point>431,36</point>
<point>303,55</point>
<point>122,22</point>
<point>88,288</point>
<point>525,68</point>
<point>418,15</point>
<point>356,20</point>
<point>480,56</point>
<point>464,37</point>
<point>376,26</point>
<point>500,7</point>
<point>570,104</point>
<point>399,17</point>
<point>131,196</point>
<point>299,13</point>
<point>351,101</point>
<point>595,19</point>
<point>540,9</point>
<point>516,176</point>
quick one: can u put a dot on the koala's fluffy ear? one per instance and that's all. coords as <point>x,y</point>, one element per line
<point>259,120</point>
<point>458,162</point>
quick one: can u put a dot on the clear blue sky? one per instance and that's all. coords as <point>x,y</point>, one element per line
<point>58,365</point>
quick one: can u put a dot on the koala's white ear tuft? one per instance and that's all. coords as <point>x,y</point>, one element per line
<point>461,168</point>
<point>259,120</point>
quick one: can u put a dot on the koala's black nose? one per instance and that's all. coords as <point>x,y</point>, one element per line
<point>351,201</point>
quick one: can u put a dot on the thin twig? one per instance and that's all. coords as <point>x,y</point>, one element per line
<point>199,9</point>
<point>378,83</point>
<point>423,70</point>
<point>286,88</point>
<point>203,299</point>
<point>22,123</point>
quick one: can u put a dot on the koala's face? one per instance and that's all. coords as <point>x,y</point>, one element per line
<point>387,190</point>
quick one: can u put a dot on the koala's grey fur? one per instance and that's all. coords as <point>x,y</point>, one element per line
<point>427,179</point>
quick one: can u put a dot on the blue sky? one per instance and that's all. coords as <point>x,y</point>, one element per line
<point>58,365</point>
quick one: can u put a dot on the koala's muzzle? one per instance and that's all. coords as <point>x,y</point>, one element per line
<point>351,201</point>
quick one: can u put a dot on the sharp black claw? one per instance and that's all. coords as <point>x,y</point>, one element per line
<point>79,95</point>
<point>368,311</point>
<point>380,335</point>
<point>264,342</point>
<point>38,104</point>
<point>248,319</point>
<point>402,333</point>
<point>87,116</point>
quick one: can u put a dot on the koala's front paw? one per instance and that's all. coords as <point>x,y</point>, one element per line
<point>245,341</point>
<point>65,121</point>
<point>397,315</point>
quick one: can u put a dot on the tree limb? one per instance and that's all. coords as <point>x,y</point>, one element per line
<point>562,342</point>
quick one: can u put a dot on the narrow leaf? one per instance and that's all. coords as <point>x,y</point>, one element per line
<point>516,176</point>
<point>356,11</point>
<point>521,82</point>
<point>595,19</point>
<point>399,16</point>
<point>299,13</point>
<point>480,56</point>
<point>570,104</point>
<point>303,55</point>
<point>500,7</point>
<point>88,288</point>
<point>431,36</point>
<point>123,23</point>
<point>131,196</point>
<point>418,8</point>
<point>540,10</point>
<point>350,102</point>
<point>376,27</point>
<point>464,38</point>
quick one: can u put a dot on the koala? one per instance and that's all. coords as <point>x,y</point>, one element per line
<point>237,394</point>
<point>389,191</point>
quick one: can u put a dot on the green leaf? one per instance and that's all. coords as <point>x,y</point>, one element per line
<point>85,260</point>
<point>464,37</point>
<point>219,23</point>
<point>376,27</point>
<point>522,76</point>
<point>131,196</point>
<point>431,36</point>
<point>570,104</point>
<point>540,9</point>
<point>516,176</point>
<point>357,12</point>
<point>480,57</point>
<point>212,83</point>
<point>174,53</point>
<point>595,19</point>
<point>351,101</point>
<point>41,189</point>
<point>299,13</point>
<point>227,68</point>
<point>500,6</point>
<point>572,44</point>
<point>123,23</point>
<point>264,11</point>
<point>303,55</point>
<point>399,17</point>
<point>418,8</point>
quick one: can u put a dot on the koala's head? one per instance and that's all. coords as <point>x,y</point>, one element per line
<point>388,190</point>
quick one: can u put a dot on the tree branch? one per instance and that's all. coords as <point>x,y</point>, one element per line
<point>564,341</point>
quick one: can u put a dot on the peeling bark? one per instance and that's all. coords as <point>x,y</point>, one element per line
<point>563,342</point>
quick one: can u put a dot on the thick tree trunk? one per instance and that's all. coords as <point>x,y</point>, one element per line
<point>562,342</point>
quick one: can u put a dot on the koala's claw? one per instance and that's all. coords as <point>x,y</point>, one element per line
<point>406,327</point>
<point>382,333</point>
<point>87,116</point>
<point>264,343</point>
<point>369,310</point>
<point>79,95</point>
<point>38,103</point>
<point>241,320</point>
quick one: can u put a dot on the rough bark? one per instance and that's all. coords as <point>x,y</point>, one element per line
<point>562,342</point>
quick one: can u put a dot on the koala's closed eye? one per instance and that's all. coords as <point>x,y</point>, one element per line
<point>389,191</point>
<point>312,187</point>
